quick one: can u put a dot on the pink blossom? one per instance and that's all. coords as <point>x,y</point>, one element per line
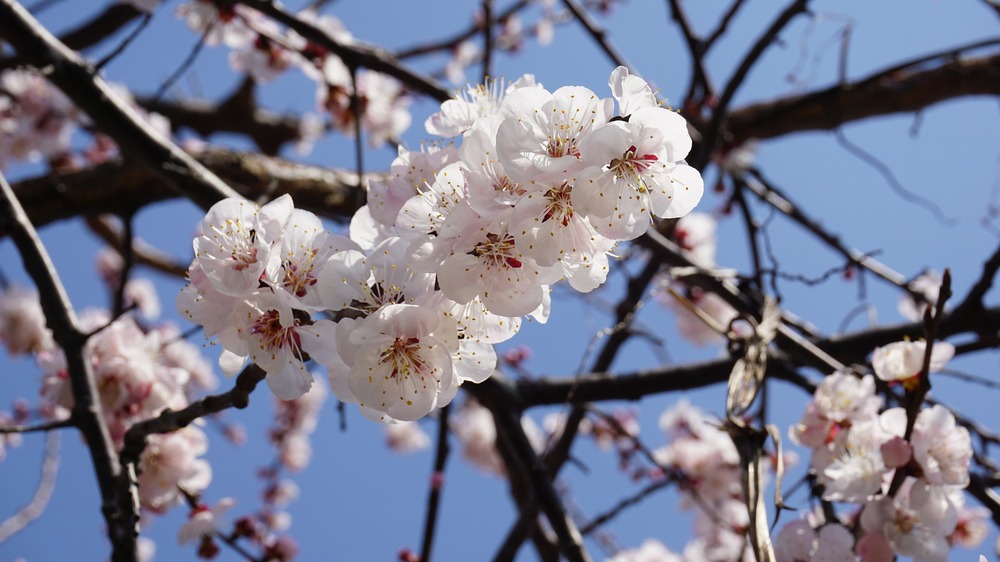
<point>651,550</point>
<point>169,463</point>
<point>203,521</point>
<point>902,361</point>
<point>942,448</point>
<point>22,322</point>
<point>406,437</point>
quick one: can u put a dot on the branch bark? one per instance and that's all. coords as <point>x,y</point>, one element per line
<point>136,139</point>
<point>123,188</point>
<point>882,93</point>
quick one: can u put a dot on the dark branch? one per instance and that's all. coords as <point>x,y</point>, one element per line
<point>883,93</point>
<point>121,188</point>
<point>136,139</point>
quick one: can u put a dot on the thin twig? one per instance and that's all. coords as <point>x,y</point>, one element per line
<point>436,484</point>
<point>599,35</point>
<point>43,492</point>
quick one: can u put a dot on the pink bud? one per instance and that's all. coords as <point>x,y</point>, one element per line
<point>896,452</point>
<point>437,480</point>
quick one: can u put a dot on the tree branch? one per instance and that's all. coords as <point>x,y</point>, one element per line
<point>120,519</point>
<point>136,139</point>
<point>882,93</point>
<point>122,188</point>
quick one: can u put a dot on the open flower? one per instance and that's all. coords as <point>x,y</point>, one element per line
<point>902,361</point>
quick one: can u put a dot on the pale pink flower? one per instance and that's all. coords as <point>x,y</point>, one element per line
<point>835,544</point>
<point>488,263</point>
<point>927,284</point>
<point>896,452</point>
<point>875,547</point>
<point>170,462</point>
<point>263,58</point>
<point>474,428</point>
<point>36,118</point>
<point>630,91</point>
<point>8,440</point>
<point>942,448</point>
<point>542,131</point>
<point>651,550</point>
<point>916,522</point>
<point>220,24</point>
<point>902,361</point>
<point>409,174</point>
<point>972,528</point>
<point>22,322</point>
<point>795,542</point>
<point>142,294</point>
<point>406,437</point>
<point>695,234</point>
<point>235,248</point>
<point>463,55</point>
<point>477,100</point>
<point>268,331</point>
<point>203,521</point>
<point>852,469</point>
<point>548,229</point>
<point>636,172</point>
<point>401,363</point>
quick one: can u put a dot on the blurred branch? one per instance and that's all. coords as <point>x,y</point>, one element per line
<point>48,426</point>
<point>455,40</point>
<point>848,349</point>
<point>436,483</point>
<point>894,90</point>
<point>141,253</point>
<point>356,54</point>
<point>135,138</point>
<point>43,492</point>
<point>598,34</point>
<point>696,49</point>
<point>502,401</point>
<point>238,114</point>
<point>107,23</point>
<point>121,188</point>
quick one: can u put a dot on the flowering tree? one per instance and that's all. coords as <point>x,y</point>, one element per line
<point>417,289</point>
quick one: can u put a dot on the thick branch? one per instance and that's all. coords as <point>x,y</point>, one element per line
<point>882,93</point>
<point>136,139</point>
<point>238,114</point>
<point>850,348</point>
<point>107,23</point>
<point>120,188</point>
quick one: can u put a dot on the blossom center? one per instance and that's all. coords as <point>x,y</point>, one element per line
<point>631,165</point>
<point>272,334</point>
<point>497,252</point>
<point>403,356</point>
<point>559,206</point>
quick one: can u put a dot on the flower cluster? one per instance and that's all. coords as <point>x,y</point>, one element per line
<point>450,253</point>
<point>138,372</point>
<point>858,451</point>
<point>706,459</point>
